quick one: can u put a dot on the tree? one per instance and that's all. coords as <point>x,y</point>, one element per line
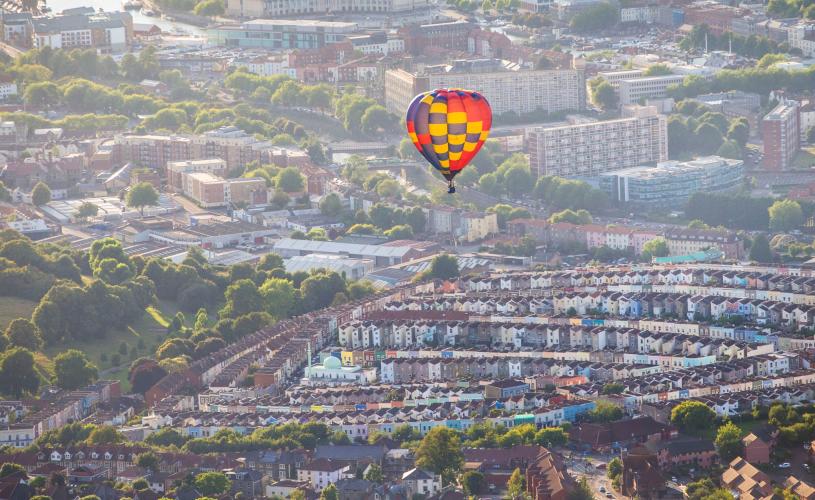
<point>707,138</point>
<point>551,436</point>
<point>615,468</point>
<point>212,483</point>
<point>330,493</point>
<point>613,388</point>
<point>331,205</point>
<point>18,375</point>
<point>739,131</point>
<point>440,452</point>
<point>209,8</point>
<point>728,441</point>
<point>148,460</point>
<point>23,333</point>
<point>389,188</point>
<point>376,119</point>
<point>270,261</point>
<point>490,184</point>
<point>760,250</point>
<point>290,180</point>
<point>516,486</point>
<point>72,370</point>
<point>604,96</point>
<point>582,491</point>
<point>692,416</point>
<point>657,70</point>
<point>279,296</point>
<point>41,194</point>
<point>657,247</point>
<point>518,180</point>
<point>5,195</point>
<point>571,216</point>
<point>144,375</point>
<point>444,267</point>
<point>105,434</point>
<point>374,474</point>
<point>142,195</point>
<point>472,482</point>
<point>399,232</point>
<point>86,210</point>
<point>785,215</point>
<point>242,297</point>
<point>729,149</point>
<point>605,412</point>
<point>9,468</point>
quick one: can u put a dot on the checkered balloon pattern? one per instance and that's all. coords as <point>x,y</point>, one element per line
<point>448,127</point>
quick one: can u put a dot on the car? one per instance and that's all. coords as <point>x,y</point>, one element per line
<point>609,495</point>
<point>785,465</point>
<point>674,479</point>
<point>805,466</point>
<point>602,489</point>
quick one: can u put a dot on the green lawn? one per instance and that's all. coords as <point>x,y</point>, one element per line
<point>12,308</point>
<point>151,329</point>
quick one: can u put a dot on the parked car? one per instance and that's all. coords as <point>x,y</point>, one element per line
<point>785,465</point>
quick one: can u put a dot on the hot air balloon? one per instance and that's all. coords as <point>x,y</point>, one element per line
<point>448,127</point>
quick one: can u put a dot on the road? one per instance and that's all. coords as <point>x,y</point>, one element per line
<point>593,467</point>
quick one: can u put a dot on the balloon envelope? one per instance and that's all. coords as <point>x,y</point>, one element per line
<point>448,127</point>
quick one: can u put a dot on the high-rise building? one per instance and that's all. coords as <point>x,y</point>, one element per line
<point>590,149</point>
<point>780,133</point>
<point>506,85</point>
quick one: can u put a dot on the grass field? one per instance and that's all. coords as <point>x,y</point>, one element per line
<point>141,338</point>
<point>805,159</point>
<point>12,308</point>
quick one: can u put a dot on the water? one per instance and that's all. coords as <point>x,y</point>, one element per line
<point>138,16</point>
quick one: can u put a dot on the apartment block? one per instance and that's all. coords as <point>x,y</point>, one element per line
<point>276,8</point>
<point>209,190</point>
<point>280,33</point>
<point>507,86</point>
<point>687,241</point>
<point>590,149</point>
<point>231,144</point>
<point>478,225</point>
<point>177,169</point>
<point>802,36</point>
<point>84,28</point>
<point>780,133</point>
<point>153,151</point>
<point>634,89</point>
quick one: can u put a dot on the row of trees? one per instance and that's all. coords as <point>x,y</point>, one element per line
<point>757,80</point>
<point>745,212</point>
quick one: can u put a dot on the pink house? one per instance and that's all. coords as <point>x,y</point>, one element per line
<point>595,235</point>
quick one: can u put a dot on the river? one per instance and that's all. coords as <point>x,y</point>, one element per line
<point>175,27</point>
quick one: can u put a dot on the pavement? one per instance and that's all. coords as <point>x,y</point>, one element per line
<point>593,467</point>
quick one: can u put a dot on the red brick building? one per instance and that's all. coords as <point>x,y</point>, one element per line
<point>781,135</point>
